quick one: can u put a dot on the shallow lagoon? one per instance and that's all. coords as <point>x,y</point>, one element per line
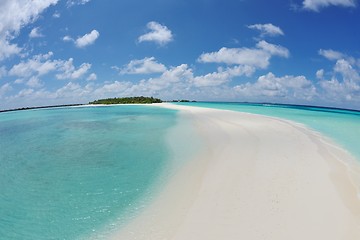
<point>70,172</point>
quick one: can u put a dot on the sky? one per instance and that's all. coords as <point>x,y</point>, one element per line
<point>281,51</point>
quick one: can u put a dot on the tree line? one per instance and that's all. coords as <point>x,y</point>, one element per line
<point>128,100</point>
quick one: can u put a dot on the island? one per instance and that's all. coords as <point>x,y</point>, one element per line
<point>183,100</point>
<point>41,107</point>
<point>128,100</point>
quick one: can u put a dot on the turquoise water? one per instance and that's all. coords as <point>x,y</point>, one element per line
<point>342,126</point>
<point>74,172</point>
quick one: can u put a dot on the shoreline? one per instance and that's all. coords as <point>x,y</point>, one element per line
<point>258,178</point>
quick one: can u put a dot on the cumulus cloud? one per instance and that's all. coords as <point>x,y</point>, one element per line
<point>38,65</point>
<point>68,39</point>
<point>316,5</point>
<point>177,81</point>
<point>174,81</point>
<point>349,73</point>
<point>267,29</point>
<point>3,72</point>
<point>27,11</point>
<point>147,65</point>
<point>91,77</point>
<point>331,54</point>
<point>286,87</point>
<point>320,74</point>
<point>19,81</point>
<point>158,33</point>
<point>4,89</point>
<point>69,71</point>
<point>180,82</point>
<point>274,50</point>
<point>86,40</point>
<point>34,82</point>
<point>42,64</point>
<point>170,78</point>
<point>35,33</point>
<point>344,85</point>
<point>222,76</point>
<point>7,49</point>
<point>116,88</point>
<point>258,57</point>
<point>56,15</point>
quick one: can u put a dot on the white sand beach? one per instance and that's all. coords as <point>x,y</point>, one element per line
<point>257,178</point>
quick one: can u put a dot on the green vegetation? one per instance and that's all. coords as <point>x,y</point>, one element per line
<point>127,100</point>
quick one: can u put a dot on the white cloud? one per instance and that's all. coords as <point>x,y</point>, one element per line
<point>176,74</point>
<point>87,39</point>
<point>3,72</point>
<point>68,39</point>
<point>180,82</point>
<point>274,50</point>
<point>68,70</point>
<point>42,64</point>
<point>4,89</point>
<point>222,76</point>
<point>7,49</point>
<point>91,77</point>
<point>68,90</point>
<point>14,15</point>
<point>331,54</point>
<point>144,66</point>
<point>25,92</point>
<point>19,81</point>
<point>56,15</point>
<point>170,77</point>
<point>242,56</point>
<point>320,74</point>
<point>316,5</point>
<point>35,33</point>
<point>71,3</point>
<point>116,88</point>
<point>39,65</point>
<point>159,34</point>
<point>344,85</point>
<point>34,82</point>
<point>348,72</point>
<point>258,57</point>
<point>212,79</point>
<point>27,11</point>
<point>267,29</point>
<point>287,87</point>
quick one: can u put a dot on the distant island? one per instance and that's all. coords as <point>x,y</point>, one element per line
<point>41,107</point>
<point>107,101</point>
<point>128,100</point>
<point>183,100</point>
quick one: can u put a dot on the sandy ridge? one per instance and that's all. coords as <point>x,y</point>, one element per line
<point>257,178</point>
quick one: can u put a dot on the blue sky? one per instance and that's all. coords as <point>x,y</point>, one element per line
<point>75,51</point>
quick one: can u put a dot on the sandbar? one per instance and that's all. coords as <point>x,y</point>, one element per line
<point>256,178</point>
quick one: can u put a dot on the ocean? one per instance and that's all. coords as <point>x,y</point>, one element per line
<point>72,173</point>
<point>83,172</point>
